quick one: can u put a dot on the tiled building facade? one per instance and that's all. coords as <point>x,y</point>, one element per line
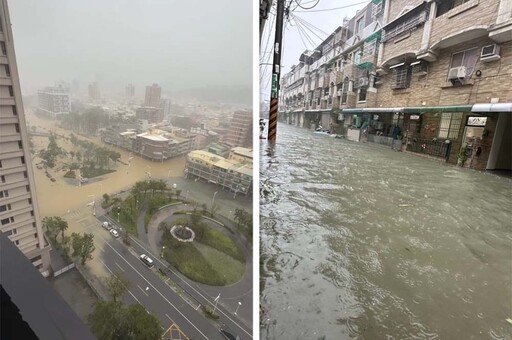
<point>19,213</point>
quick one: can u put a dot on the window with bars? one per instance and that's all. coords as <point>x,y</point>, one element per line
<point>376,9</point>
<point>362,94</point>
<point>401,77</point>
<point>450,125</point>
<point>370,47</point>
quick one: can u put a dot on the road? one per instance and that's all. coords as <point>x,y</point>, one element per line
<point>150,291</point>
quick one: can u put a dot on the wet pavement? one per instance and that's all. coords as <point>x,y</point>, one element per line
<point>360,241</point>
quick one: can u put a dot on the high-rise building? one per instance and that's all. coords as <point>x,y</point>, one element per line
<point>240,131</point>
<point>129,90</point>
<point>153,94</point>
<point>165,107</point>
<point>54,101</point>
<point>19,213</point>
<point>94,91</point>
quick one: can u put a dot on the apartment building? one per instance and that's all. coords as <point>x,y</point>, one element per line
<point>240,130</point>
<point>440,83</point>
<point>227,173</point>
<point>336,75</point>
<point>129,91</point>
<point>19,213</point>
<point>54,101</point>
<point>94,91</point>
<point>153,94</point>
<point>242,155</point>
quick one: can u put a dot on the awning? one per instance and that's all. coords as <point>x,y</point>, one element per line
<point>447,108</point>
<point>405,16</point>
<point>492,107</point>
<point>374,110</point>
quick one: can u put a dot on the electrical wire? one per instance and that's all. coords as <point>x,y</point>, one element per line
<point>333,9</point>
<point>307,8</point>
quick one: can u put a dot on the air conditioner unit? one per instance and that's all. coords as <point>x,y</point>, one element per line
<point>457,74</point>
<point>338,92</point>
<point>363,82</point>
<point>490,53</point>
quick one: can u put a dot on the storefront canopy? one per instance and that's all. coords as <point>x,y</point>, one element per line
<point>374,110</point>
<point>448,108</point>
<point>492,107</point>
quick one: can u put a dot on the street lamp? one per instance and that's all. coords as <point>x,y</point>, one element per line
<point>213,198</point>
<point>169,173</point>
<point>163,249</point>
<point>186,196</point>
<point>216,300</point>
<point>239,304</point>
<point>118,212</point>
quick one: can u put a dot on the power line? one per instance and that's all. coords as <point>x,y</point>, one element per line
<point>298,4</point>
<point>310,25</point>
<point>333,9</point>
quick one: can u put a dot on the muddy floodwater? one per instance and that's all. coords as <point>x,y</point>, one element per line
<point>362,242</point>
<point>56,198</point>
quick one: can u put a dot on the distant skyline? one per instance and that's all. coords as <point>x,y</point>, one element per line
<point>326,16</point>
<point>177,44</point>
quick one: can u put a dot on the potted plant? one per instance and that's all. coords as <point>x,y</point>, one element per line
<point>461,157</point>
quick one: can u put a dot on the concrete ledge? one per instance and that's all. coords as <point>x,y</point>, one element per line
<point>169,205</point>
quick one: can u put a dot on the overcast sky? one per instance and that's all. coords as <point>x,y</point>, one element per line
<point>320,16</point>
<point>179,44</point>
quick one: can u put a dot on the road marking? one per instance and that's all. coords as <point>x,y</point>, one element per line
<point>111,272</point>
<point>199,305</point>
<point>169,302</point>
<point>195,290</point>
<point>143,290</point>
<point>169,318</point>
<point>119,266</point>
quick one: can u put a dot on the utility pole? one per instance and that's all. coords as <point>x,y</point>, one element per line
<point>276,73</point>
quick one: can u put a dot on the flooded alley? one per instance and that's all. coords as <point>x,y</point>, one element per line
<point>360,241</point>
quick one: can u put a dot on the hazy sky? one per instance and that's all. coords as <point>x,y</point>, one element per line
<point>178,44</point>
<point>320,16</point>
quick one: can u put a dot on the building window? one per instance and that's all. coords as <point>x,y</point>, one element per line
<point>17,242</point>
<point>22,159</point>
<point>3,208</point>
<point>30,201</point>
<point>25,174</point>
<point>3,48</point>
<point>467,58</point>
<point>447,5</point>
<point>4,193</point>
<point>5,221</point>
<point>14,111</point>
<point>28,188</point>
<point>362,94</point>
<point>17,127</point>
<point>11,91</point>
<point>37,258</point>
<point>401,77</point>
<point>32,213</point>
<point>450,125</point>
<point>2,178</point>
<point>20,145</point>
<point>7,71</point>
<point>360,25</point>
<point>1,164</point>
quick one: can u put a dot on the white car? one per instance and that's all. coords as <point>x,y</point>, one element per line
<point>107,225</point>
<point>114,233</point>
<point>147,260</point>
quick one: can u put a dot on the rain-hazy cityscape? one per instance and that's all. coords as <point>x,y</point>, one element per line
<point>126,166</point>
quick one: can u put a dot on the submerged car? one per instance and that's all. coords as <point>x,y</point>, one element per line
<point>147,260</point>
<point>114,233</point>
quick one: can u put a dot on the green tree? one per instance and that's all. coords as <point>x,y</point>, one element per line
<point>213,209</point>
<point>117,285</point>
<point>113,321</point>
<point>142,324</point>
<point>51,224</point>
<point>106,197</point>
<point>83,246</point>
<point>107,320</point>
<point>178,193</point>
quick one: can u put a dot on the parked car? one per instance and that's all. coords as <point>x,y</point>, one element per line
<point>107,225</point>
<point>52,179</point>
<point>228,335</point>
<point>114,233</point>
<point>147,260</point>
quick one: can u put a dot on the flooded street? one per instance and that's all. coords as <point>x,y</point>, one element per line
<point>56,198</point>
<point>363,242</point>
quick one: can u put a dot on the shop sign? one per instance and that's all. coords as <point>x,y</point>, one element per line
<point>414,117</point>
<point>477,121</point>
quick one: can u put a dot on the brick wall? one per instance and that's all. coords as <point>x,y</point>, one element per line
<point>396,6</point>
<point>478,12</point>
<point>408,42</point>
<point>433,89</point>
